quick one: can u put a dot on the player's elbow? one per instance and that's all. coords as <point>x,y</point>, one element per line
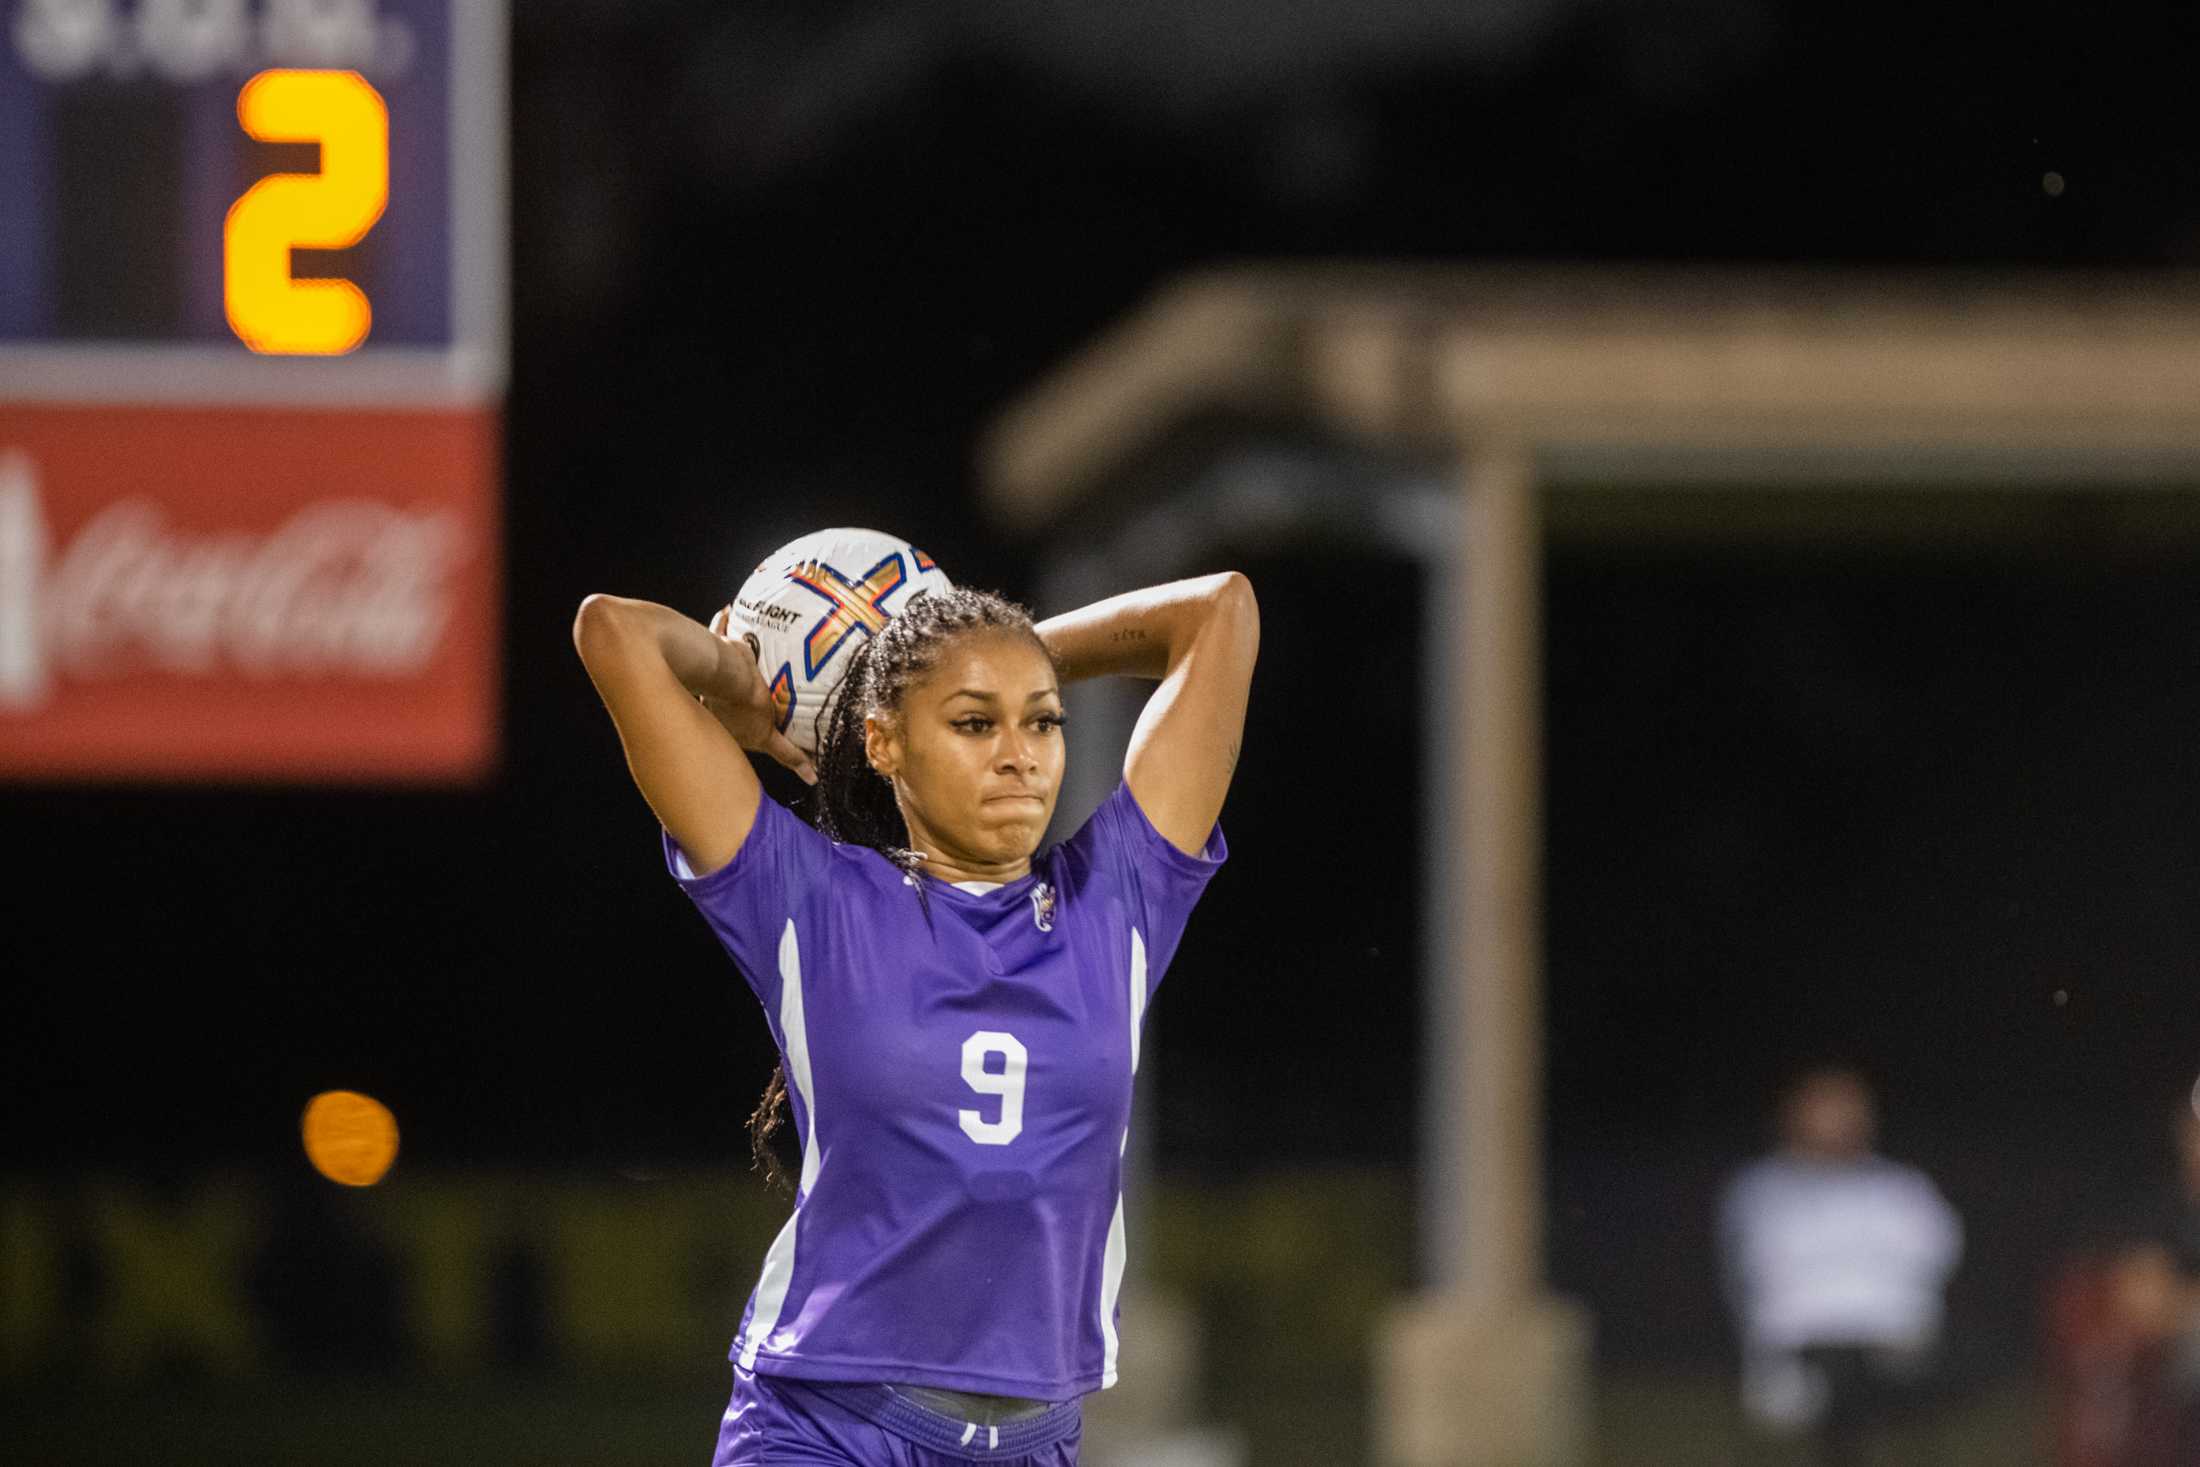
<point>1238,612</point>
<point>599,625</point>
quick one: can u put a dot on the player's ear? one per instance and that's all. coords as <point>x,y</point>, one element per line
<point>880,746</point>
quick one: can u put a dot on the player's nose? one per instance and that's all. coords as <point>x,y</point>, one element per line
<point>1017,754</point>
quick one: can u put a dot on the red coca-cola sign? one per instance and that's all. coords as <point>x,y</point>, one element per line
<point>263,593</point>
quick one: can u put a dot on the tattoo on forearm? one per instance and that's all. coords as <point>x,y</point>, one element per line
<point>1127,634</point>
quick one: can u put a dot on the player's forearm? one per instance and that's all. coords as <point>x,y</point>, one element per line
<point>1140,633</point>
<point>618,626</point>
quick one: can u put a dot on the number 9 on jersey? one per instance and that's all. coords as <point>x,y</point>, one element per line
<point>1006,1082</point>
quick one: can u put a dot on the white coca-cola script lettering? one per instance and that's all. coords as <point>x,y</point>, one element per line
<point>343,586</point>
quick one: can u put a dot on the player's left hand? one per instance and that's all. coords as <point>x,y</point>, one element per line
<point>748,713</point>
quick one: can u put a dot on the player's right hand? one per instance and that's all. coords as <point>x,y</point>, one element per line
<point>744,707</point>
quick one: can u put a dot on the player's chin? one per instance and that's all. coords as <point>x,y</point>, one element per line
<point>1013,827</point>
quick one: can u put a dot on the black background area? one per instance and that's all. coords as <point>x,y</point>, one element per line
<point>118,212</point>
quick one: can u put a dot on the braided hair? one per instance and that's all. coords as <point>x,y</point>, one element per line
<point>853,803</point>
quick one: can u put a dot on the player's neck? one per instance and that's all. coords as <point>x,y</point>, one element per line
<point>947,865</point>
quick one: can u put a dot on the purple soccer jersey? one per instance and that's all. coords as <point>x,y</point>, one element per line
<point>961,1085</point>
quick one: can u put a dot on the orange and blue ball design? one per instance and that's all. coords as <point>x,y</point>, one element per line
<point>809,603</point>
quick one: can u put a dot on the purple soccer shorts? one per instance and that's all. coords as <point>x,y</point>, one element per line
<point>781,1422</point>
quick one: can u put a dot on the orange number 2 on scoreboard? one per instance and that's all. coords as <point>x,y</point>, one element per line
<point>270,309</point>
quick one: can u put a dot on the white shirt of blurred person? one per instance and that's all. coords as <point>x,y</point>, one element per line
<point>1824,1243</point>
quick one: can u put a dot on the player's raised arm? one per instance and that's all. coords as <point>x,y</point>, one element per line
<point>1201,638</point>
<point>687,702</point>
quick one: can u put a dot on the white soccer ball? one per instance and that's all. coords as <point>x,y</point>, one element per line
<point>813,602</point>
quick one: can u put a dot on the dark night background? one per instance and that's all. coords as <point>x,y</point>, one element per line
<point>1937,813</point>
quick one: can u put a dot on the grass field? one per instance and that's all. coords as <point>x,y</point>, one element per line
<point>1683,1421</point>
<point>1645,1421</point>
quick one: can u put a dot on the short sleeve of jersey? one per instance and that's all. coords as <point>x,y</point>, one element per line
<point>1162,884</point>
<point>749,900</point>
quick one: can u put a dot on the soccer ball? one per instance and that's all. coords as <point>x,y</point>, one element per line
<point>813,602</point>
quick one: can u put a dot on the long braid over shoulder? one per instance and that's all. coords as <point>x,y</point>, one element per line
<point>853,803</point>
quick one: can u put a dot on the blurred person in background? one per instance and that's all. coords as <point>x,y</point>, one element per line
<point>1835,1261</point>
<point>2139,1363</point>
<point>2179,1239</point>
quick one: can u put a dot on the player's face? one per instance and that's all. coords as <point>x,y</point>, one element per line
<point>977,753</point>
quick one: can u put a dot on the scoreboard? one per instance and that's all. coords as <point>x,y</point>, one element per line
<point>204,181</point>
<point>252,364</point>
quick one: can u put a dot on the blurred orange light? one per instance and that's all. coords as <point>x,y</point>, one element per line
<point>350,1138</point>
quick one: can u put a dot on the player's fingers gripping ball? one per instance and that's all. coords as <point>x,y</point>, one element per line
<point>811,604</point>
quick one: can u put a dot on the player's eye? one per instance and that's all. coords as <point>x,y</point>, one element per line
<point>1049,722</point>
<point>975,723</point>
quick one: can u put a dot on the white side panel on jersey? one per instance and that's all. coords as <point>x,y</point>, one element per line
<point>1111,1263</point>
<point>771,1287</point>
<point>1138,992</point>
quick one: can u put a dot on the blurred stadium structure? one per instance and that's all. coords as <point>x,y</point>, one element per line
<point>1243,409</point>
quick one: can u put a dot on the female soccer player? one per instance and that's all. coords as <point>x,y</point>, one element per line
<point>957,1014</point>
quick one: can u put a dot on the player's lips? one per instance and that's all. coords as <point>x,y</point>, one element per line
<point>1015,795</point>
